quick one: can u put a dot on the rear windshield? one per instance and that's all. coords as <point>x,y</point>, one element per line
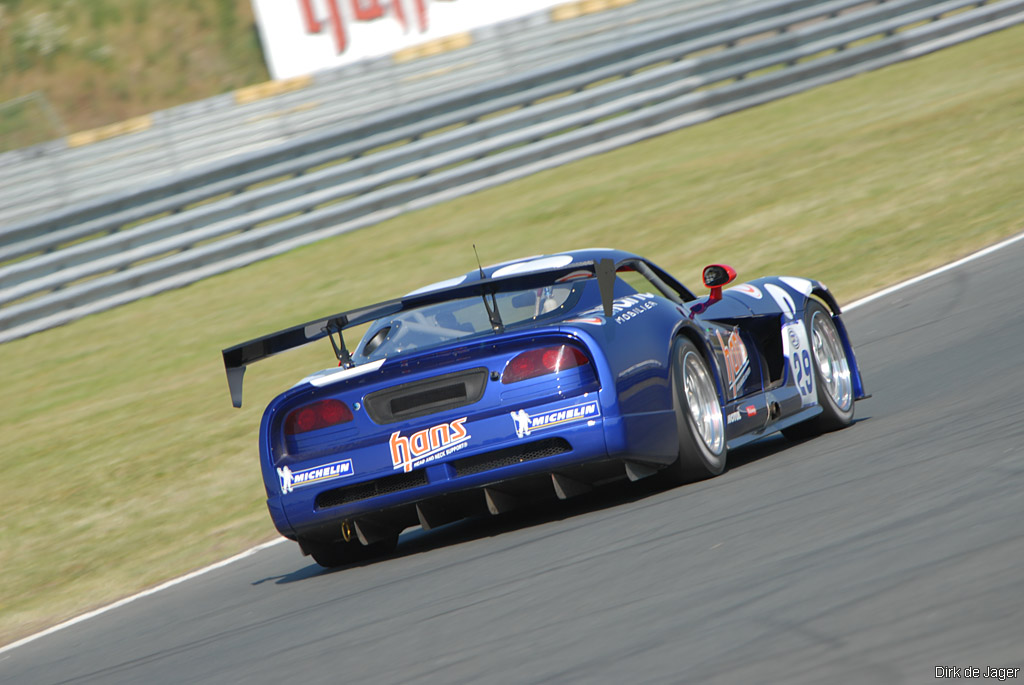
<point>437,324</point>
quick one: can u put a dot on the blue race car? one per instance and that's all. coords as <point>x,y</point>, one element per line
<point>547,375</point>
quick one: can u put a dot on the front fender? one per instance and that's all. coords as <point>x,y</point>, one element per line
<point>789,297</point>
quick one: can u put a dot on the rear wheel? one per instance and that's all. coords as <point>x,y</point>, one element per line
<point>832,375</point>
<point>700,421</point>
<point>332,554</point>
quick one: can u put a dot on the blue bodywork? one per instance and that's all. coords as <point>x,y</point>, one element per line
<point>503,440</point>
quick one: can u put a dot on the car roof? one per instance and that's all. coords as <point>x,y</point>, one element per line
<point>530,264</point>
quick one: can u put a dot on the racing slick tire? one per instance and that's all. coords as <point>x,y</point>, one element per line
<point>334,554</point>
<point>832,375</point>
<point>700,421</point>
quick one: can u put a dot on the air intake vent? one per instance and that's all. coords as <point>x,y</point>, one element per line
<point>510,456</point>
<point>361,491</point>
<point>429,396</point>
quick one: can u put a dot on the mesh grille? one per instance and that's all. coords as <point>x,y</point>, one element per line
<point>510,456</point>
<point>463,467</point>
<point>361,491</point>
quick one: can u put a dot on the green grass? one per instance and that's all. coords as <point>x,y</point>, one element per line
<point>26,121</point>
<point>124,463</point>
<point>102,61</point>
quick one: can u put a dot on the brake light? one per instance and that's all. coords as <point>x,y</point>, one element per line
<point>320,414</point>
<point>543,361</point>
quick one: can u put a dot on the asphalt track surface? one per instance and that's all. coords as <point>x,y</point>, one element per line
<point>872,555</point>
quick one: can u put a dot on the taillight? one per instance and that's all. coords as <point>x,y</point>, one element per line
<point>543,361</point>
<point>316,415</point>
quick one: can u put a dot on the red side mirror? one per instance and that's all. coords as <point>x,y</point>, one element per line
<point>716,276</point>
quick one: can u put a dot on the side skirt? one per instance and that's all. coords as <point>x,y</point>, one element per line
<point>775,427</point>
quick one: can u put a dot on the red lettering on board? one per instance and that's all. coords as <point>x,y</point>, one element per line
<point>360,10</point>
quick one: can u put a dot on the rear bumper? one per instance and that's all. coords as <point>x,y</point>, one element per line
<point>516,467</point>
<point>581,437</point>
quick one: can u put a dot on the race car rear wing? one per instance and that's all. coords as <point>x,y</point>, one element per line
<point>238,357</point>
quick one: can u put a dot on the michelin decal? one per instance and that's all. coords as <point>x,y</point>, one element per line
<point>528,423</point>
<point>298,479</point>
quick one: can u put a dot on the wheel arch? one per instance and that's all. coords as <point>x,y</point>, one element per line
<point>828,299</point>
<point>696,460</point>
<point>701,343</point>
<point>821,293</point>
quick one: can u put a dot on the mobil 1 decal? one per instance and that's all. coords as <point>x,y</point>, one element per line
<point>800,360</point>
<point>623,309</point>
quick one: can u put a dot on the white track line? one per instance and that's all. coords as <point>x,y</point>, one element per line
<point>220,564</point>
<point>144,593</point>
<point>934,272</point>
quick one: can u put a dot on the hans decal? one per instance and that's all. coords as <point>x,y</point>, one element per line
<point>427,445</point>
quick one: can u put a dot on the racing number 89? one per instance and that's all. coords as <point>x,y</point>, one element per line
<point>802,371</point>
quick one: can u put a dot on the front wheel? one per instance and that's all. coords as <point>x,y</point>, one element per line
<point>832,374</point>
<point>699,418</point>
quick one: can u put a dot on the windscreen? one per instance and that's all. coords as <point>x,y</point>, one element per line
<point>436,324</point>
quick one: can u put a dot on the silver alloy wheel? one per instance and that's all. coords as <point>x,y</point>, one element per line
<point>702,401</point>
<point>831,360</point>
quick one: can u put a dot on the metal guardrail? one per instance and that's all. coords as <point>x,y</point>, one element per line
<point>136,153</point>
<point>180,139</point>
<point>658,89</point>
<point>399,124</point>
